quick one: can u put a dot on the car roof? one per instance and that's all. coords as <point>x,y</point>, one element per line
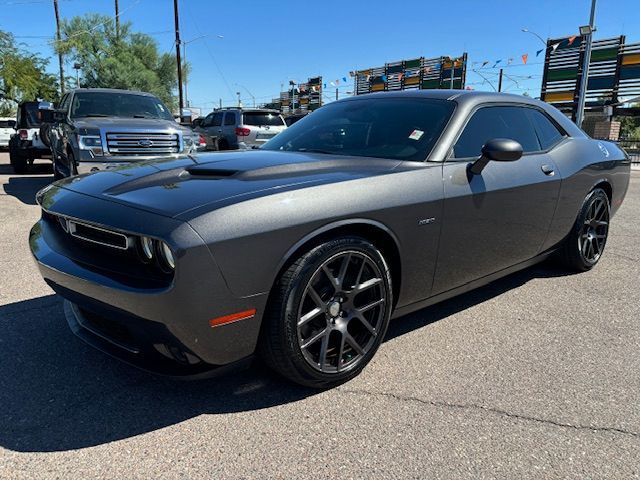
<point>460,96</point>
<point>469,99</point>
<point>112,90</point>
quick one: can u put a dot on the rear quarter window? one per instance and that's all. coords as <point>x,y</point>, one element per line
<point>546,130</point>
<point>258,119</point>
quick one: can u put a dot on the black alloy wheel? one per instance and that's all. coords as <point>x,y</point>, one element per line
<point>329,313</point>
<point>594,230</point>
<point>341,312</point>
<point>585,243</point>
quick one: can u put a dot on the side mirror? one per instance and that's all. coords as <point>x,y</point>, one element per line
<point>48,115</point>
<point>497,150</point>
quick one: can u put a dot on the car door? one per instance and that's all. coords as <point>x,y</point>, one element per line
<point>215,129</point>
<point>500,217</point>
<point>229,128</point>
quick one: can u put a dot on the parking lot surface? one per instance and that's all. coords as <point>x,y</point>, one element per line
<point>533,376</point>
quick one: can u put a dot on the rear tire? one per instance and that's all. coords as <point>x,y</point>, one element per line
<point>19,162</point>
<point>222,144</point>
<point>328,313</point>
<point>583,247</point>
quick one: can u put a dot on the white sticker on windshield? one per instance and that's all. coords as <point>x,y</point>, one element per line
<point>416,135</point>
<point>161,107</point>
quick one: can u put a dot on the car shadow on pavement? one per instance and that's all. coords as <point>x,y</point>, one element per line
<point>25,187</point>
<point>58,394</point>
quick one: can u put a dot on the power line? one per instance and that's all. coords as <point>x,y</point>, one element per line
<point>206,44</point>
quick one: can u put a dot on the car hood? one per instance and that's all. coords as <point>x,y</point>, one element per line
<point>174,187</point>
<point>129,124</point>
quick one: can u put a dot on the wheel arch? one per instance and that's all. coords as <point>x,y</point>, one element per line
<point>606,186</point>
<point>377,233</point>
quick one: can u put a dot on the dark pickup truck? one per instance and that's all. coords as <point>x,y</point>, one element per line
<point>96,129</point>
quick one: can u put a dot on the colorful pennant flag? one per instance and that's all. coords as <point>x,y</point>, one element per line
<point>486,62</point>
<point>344,79</point>
<point>539,52</point>
<point>525,57</point>
<point>572,38</point>
<point>555,46</point>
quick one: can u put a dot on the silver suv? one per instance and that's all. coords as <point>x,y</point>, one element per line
<point>240,128</point>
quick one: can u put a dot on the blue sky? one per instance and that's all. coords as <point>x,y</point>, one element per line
<point>267,43</point>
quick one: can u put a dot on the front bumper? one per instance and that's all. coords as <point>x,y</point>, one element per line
<point>161,329</point>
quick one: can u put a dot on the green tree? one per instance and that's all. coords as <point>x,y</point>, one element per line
<point>630,126</point>
<point>23,76</point>
<point>129,61</point>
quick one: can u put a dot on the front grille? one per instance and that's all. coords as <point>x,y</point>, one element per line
<point>98,235</point>
<point>143,143</point>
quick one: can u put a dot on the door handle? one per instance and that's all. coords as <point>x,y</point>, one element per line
<point>548,170</point>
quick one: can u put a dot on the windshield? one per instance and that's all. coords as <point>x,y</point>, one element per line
<point>396,128</point>
<point>258,119</point>
<point>7,123</point>
<point>111,104</point>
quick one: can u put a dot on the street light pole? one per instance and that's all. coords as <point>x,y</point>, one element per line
<point>250,94</point>
<point>184,60</point>
<point>582,93</point>
<point>526,30</point>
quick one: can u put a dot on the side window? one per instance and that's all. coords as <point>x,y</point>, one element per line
<point>217,119</point>
<point>230,118</point>
<point>64,104</point>
<point>496,122</point>
<point>548,133</point>
<point>207,120</point>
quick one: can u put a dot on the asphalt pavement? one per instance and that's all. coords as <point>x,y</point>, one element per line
<point>534,376</point>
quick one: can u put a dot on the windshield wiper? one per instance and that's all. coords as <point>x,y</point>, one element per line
<point>315,150</point>
<point>93,115</point>
<point>141,116</point>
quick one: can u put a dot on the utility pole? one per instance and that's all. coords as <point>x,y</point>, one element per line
<point>500,80</point>
<point>117,21</point>
<point>582,93</point>
<point>55,9</point>
<point>179,62</point>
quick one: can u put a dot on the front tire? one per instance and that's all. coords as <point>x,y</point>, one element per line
<point>328,313</point>
<point>585,244</point>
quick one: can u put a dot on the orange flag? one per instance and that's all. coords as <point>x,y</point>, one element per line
<point>572,38</point>
<point>525,57</point>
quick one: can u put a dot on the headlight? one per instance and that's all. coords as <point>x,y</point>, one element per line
<point>167,255</point>
<point>93,143</point>
<point>146,246</point>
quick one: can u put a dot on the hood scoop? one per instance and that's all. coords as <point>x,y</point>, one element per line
<point>209,171</point>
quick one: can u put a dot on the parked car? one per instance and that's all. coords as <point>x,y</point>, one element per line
<point>7,129</point>
<point>373,207</point>
<point>240,128</point>
<point>97,129</point>
<point>28,144</point>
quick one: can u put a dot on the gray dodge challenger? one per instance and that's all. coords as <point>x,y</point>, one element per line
<point>302,251</point>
